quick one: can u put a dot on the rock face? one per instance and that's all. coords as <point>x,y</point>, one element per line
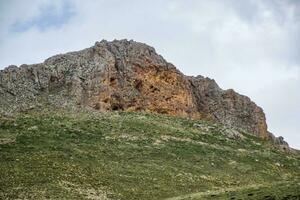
<point>130,76</point>
<point>228,107</point>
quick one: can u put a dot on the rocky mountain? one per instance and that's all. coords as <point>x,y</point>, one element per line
<point>129,76</point>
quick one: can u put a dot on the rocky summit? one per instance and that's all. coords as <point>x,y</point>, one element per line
<point>116,121</point>
<point>128,76</point>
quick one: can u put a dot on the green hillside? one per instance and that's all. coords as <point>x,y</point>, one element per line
<point>62,155</point>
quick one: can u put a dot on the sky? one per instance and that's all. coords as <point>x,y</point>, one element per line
<point>251,46</point>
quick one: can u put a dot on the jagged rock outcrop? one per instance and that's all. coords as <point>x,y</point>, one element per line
<point>228,107</point>
<point>125,75</point>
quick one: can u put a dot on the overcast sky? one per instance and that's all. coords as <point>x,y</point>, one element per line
<point>251,46</point>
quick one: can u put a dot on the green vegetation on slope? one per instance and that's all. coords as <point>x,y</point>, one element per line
<point>137,156</point>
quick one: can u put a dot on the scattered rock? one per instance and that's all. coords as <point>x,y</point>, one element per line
<point>7,140</point>
<point>233,134</point>
<point>204,128</point>
<point>33,128</point>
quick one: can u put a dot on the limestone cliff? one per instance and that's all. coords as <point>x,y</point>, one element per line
<point>228,107</point>
<point>130,76</point>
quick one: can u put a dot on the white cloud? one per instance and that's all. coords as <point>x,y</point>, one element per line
<point>251,46</point>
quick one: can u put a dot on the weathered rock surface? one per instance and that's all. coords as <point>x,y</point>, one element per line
<point>228,107</point>
<point>130,76</point>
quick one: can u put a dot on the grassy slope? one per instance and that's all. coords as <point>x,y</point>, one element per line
<point>137,156</point>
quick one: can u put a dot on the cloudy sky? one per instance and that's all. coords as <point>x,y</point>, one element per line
<point>252,46</point>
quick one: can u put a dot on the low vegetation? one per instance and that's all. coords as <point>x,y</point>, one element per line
<point>62,155</point>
